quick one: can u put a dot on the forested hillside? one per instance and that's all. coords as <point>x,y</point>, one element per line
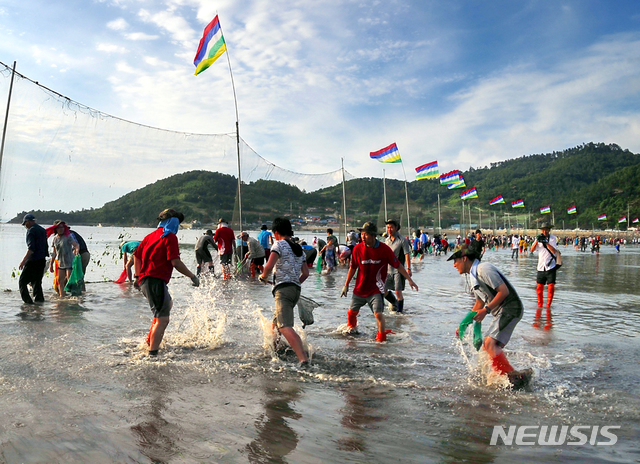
<point>596,178</point>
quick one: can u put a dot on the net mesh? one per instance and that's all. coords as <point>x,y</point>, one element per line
<point>62,155</point>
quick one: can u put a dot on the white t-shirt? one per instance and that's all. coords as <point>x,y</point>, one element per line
<point>515,242</point>
<point>289,266</point>
<point>545,258</point>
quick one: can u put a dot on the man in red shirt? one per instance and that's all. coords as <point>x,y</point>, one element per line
<point>370,258</point>
<point>225,239</point>
<point>154,260</point>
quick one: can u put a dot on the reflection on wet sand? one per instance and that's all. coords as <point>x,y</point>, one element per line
<point>154,435</point>
<point>360,414</point>
<point>276,439</point>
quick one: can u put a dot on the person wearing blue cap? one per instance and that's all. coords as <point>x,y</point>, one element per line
<point>34,262</point>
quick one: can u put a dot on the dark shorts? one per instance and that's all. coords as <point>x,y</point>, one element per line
<point>226,259</point>
<point>258,261</point>
<point>374,302</point>
<point>395,282</point>
<point>157,294</point>
<point>546,277</point>
<point>203,256</point>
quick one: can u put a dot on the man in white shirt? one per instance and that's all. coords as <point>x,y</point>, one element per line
<point>547,247</point>
<point>515,244</point>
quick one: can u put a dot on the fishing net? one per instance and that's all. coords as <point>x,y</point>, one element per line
<point>64,156</point>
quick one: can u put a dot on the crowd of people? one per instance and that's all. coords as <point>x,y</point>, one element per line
<point>380,263</point>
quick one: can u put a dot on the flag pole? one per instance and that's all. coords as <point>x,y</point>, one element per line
<point>6,117</point>
<point>384,194</point>
<point>344,201</point>
<point>406,194</point>
<point>235,101</point>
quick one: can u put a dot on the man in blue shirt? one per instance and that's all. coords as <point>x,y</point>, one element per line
<point>266,240</point>
<point>34,261</point>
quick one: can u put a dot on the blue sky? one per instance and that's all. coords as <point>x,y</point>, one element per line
<point>462,82</point>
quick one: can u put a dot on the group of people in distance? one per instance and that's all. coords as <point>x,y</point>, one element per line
<point>66,244</point>
<point>380,269</point>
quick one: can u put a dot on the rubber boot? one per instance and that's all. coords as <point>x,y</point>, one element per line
<point>382,336</point>
<point>198,269</point>
<point>148,341</point>
<point>540,294</point>
<point>551,289</point>
<point>400,306</point>
<point>391,298</point>
<point>501,364</point>
<point>253,271</point>
<point>261,269</point>
<point>352,319</point>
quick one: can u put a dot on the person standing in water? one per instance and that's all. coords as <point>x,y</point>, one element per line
<point>395,281</point>
<point>225,238</point>
<point>371,258</point>
<point>291,271</point>
<point>127,249</point>
<point>154,260</point>
<point>64,248</point>
<point>547,247</point>
<point>256,253</point>
<point>496,296</point>
<point>34,262</point>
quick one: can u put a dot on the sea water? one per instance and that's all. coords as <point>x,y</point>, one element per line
<point>76,384</point>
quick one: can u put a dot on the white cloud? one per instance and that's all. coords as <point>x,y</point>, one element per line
<point>110,48</point>
<point>141,36</point>
<point>118,24</point>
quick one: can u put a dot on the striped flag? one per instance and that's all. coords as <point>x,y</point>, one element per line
<point>468,194</point>
<point>450,177</point>
<point>428,171</point>
<point>517,204</point>
<point>572,210</point>
<point>388,154</point>
<point>545,210</point>
<point>212,46</point>
<point>602,217</point>
<point>497,200</point>
<point>457,185</point>
<point>636,220</point>
<point>622,219</point>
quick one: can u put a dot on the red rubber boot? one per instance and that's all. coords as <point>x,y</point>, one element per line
<point>551,289</point>
<point>540,294</point>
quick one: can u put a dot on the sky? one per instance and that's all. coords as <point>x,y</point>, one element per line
<point>466,83</point>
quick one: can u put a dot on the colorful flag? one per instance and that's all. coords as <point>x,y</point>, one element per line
<point>211,47</point>
<point>497,200</point>
<point>517,204</point>
<point>636,220</point>
<point>468,194</point>
<point>456,185</point>
<point>428,171</point>
<point>572,210</point>
<point>545,210</point>
<point>622,219</point>
<point>450,177</point>
<point>388,154</point>
<point>602,217</point>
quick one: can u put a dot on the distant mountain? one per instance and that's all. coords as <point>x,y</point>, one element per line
<point>596,178</point>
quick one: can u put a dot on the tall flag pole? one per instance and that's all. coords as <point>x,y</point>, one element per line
<point>212,46</point>
<point>6,116</point>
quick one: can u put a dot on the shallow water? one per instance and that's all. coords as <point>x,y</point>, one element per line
<point>75,385</point>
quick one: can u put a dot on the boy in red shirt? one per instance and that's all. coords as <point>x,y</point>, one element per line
<point>370,258</point>
<point>225,239</point>
<point>154,260</point>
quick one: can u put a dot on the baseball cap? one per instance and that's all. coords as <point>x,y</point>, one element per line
<point>28,217</point>
<point>370,228</point>
<point>463,250</point>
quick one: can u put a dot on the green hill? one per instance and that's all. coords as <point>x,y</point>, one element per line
<point>597,178</point>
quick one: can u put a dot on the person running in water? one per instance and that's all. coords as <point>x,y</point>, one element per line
<point>371,258</point>
<point>203,255</point>
<point>496,296</point>
<point>291,271</point>
<point>225,238</point>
